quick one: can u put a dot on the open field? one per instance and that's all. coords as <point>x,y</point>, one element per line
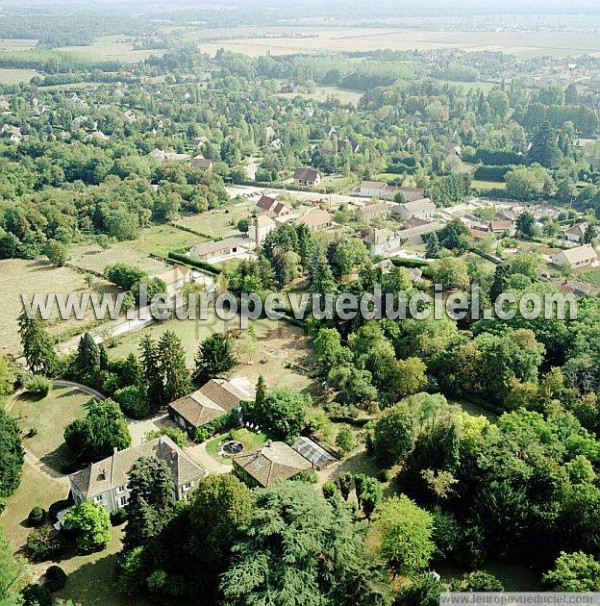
<point>218,223</point>
<point>322,93</point>
<point>160,240</point>
<point>113,47</point>
<point>49,416</point>
<point>12,44</point>
<point>16,76</point>
<point>323,39</point>
<point>476,184</point>
<point>19,276</point>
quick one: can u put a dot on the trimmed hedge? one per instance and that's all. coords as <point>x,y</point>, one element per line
<point>497,157</point>
<point>402,262</point>
<point>185,260</point>
<point>492,173</point>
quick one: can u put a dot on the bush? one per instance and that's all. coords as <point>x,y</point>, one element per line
<point>38,386</point>
<point>43,543</point>
<point>118,517</point>
<point>345,440</point>
<point>56,578</point>
<point>132,401</point>
<point>3,505</point>
<point>89,524</point>
<point>36,517</point>
<point>177,435</point>
<point>36,595</point>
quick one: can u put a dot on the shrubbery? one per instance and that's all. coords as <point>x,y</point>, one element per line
<point>38,386</point>
<point>56,578</point>
<point>43,543</point>
<point>36,595</point>
<point>132,401</point>
<point>36,517</point>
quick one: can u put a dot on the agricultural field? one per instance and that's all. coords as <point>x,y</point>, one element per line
<point>19,276</point>
<point>320,39</point>
<point>113,47</point>
<point>16,76</point>
<point>483,185</point>
<point>592,276</point>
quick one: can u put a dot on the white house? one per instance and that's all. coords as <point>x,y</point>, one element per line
<point>575,233</point>
<point>418,209</point>
<point>576,258</point>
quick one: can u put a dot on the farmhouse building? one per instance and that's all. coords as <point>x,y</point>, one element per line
<point>271,207</point>
<point>316,220</point>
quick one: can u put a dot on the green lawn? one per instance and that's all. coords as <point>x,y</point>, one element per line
<point>36,488</point>
<point>218,223</point>
<point>49,416</point>
<point>479,185</point>
<point>250,440</point>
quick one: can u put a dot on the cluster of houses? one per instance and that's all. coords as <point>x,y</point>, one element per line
<point>106,482</point>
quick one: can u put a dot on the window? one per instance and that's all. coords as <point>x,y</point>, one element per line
<point>122,488</point>
<point>98,499</point>
<point>187,486</point>
<point>122,501</point>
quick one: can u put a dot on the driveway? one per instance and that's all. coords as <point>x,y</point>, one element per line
<point>139,429</point>
<point>199,454</point>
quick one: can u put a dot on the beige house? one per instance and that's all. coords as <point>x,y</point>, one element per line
<point>213,400</point>
<point>417,209</point>
<point>175,278</point>
<point>576,258</point>
<point>201,162</point>
<point>307,177</point>
<point>274,461</point>
<point>106,482</point>
<point>162,156</point>
<point>316,219</point>
<point>575,233</point>
<point>376,209</point>
<point>223,248</point>
<point>502,227</point>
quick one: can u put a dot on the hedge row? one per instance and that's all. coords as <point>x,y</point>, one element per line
<point>185,260</point>
<point>492,173</point>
